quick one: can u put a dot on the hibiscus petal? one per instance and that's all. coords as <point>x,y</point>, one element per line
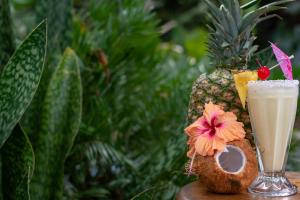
<point>196,128</point>
<point>218,144</point>
<point>204,146</point>
<point>228,116</point>
<point>191,152</point>
<point>212,112</point>
<point>231,131</point>
<point>191,142</point>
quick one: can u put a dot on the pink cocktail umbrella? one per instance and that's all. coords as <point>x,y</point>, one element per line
<point>284,61</point>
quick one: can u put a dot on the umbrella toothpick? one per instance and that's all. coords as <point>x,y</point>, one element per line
<point>291,57</point>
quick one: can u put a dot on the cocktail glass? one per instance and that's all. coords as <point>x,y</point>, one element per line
<point>272,108</point>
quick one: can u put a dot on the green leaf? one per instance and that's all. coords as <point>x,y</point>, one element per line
<point>237,12</point>
<point>102,152</point>
<point>228,5</point>
<point>58,14</point>
<point>59,17</point>
<point>276,3</point>
<point>214,10</point>
<point>252,18</point>
<point>269,17</point>
<point>61,116</point>
<point>17,165</point>
<point>233,6</point>
<point>250,4</point>
<point>94,192</point>
<point>233,29</point>
<point>6,34</point>
<point>20,79</point>
<point>6,50</point>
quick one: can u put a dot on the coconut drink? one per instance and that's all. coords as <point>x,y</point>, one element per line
<point>272,106</point>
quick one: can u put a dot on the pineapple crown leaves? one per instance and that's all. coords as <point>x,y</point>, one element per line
<point>231,42</point>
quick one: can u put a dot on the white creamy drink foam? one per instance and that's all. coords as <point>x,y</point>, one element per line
<point>272,108</point>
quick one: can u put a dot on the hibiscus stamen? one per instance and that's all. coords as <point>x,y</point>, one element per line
<point>212,132</point>
<point>206,124</point>
<point>191,164</point>
<point>219,125</point>
<point>213,120</point>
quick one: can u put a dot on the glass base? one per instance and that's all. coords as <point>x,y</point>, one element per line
<point>272,185</point>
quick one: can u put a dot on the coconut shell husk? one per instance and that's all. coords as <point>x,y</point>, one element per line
<point>218,181</point>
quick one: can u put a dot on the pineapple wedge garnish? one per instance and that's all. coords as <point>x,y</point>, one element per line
<point>241,80</point>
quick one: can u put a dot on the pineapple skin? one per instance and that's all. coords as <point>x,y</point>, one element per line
<point>219,88</point>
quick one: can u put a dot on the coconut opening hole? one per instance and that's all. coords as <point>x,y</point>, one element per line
<point>231,161</point>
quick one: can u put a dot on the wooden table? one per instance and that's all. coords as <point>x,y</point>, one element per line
<point>196,191</point>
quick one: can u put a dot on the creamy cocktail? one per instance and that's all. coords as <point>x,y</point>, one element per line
<point>272,108</point>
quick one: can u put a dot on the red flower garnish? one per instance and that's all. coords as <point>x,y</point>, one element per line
<point>263,72</point>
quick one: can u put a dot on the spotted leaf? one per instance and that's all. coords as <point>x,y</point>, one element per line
<point>17,164</point>
<point>6,33</point>
<point>19,80</point>
<point>61,115</point>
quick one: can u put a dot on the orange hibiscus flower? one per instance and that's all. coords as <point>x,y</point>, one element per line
<point>212,131</point>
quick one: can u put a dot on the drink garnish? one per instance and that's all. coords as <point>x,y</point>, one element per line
<point>263,72</point>
<point>241,80</point>
<point>284,61</point>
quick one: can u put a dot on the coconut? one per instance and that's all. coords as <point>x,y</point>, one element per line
<point>230,171</point>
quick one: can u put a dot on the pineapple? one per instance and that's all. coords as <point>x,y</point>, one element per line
<point>241,80</point>
<point>230,48</point>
